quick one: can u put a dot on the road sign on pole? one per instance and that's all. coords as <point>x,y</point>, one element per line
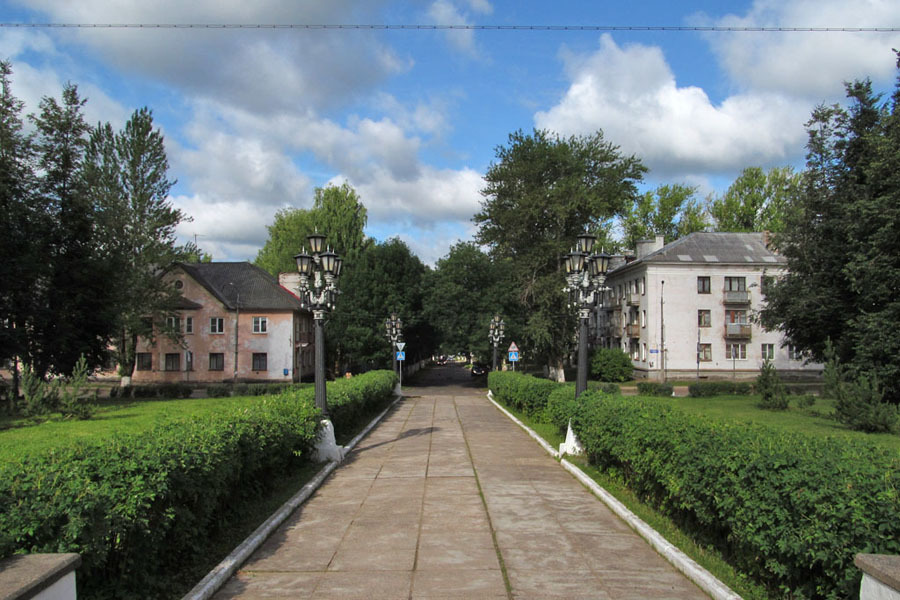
<point>513,348</point>
<point>401,345</point>
<point>401,355</point>
<point>513,357</point>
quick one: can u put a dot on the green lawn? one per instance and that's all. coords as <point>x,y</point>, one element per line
<point>814,420</point>
<point>19,437</point>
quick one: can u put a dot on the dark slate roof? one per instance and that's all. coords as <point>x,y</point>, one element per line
<point>712,248</point>
<point>242,285</point>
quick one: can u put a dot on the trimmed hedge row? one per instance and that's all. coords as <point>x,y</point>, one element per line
<point>704,389</point>
<point>160,390</point>
<point>139,507</point>
<point>789,509</point>
<point>523,392</point>
<point>351,401</point>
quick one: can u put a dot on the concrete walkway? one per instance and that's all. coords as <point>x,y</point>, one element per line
<point>447,498</point>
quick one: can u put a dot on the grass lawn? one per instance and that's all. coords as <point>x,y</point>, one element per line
<point>19,437</point>
<point>814,420</point>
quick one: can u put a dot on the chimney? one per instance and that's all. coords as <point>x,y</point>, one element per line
<point>646,247</point>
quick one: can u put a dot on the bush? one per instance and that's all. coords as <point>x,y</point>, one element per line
<point>706,389</point>
<point>522,392</point>
<point>606,388</point>
<point>860,406</point>
<point>561,405</point>
<point>611,365</point>
<point>768,385</point>
<point>72,401</point>
<point>653,388</point>
<point>789,509</point>
<point>805,400</point>
<point>350,401</point>
<point>38,396</point>
<point>136,507</point>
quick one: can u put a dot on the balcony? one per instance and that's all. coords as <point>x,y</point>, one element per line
<point>613,303</point>
<point>633,331</point>
<point>633,299</point>
<point>737,331</point>
<point>736,297</point>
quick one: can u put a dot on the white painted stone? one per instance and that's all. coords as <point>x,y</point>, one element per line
<point>326,446</point>
<point>63,589</point>
<point>571,445</point>
<point>872,589</point>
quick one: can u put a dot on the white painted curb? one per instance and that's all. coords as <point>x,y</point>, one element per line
<point>222,572</point>
<point>705,580</point>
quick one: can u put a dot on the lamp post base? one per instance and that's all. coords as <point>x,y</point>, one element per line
<point>326,446</point>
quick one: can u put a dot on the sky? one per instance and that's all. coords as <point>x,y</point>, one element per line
<point>256,118</point>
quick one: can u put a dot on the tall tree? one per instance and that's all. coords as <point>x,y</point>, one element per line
<point>756,201</point>
<point>670,211</point>
<point>127,173</point>
<point>337,212</point>
<point>542,191</point>
<point>842,240</point>
<point>77,317</point>
<point>22,228</point>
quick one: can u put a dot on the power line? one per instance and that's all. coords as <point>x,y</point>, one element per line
<point>425,27</point>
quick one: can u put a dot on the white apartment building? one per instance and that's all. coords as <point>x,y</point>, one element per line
<point>687,309</point>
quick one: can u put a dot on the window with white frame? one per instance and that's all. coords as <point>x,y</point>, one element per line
<point>216,325</point>
<point>643,351</point>
<point>704,318</point>
<point>795,353</point>
<point>643,318</point>
<point>189,324</point>
<point>703,285</point>
<point>735,284</point>
<point>768,351</point>
<point>705,352</point>
<point>173,323</point>
<point>643,286</point>
<point>736,351</point>
<point>260,324</point>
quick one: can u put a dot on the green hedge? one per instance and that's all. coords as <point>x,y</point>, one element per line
<point>789,509</point>
<point>138,507</point>
<point>705,389</point>
<point>654,388</point>
<point>523,392</point>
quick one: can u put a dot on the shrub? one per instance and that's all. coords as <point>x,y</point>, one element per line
<point>653,388</point>
<point>352,400</point>
<point>38,396</point>
<point>705,389</point>
<point>611,365</point>
<point>805,400</point>
<point>789,509</point>
<point>860,405</point>
<point>72,401</point>
<point>606,388</point>
<point>768,385</point>
<point>135,507</point>
<point>560,407</point>
<point>523,392</point>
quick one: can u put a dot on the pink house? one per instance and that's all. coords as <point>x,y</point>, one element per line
<point>238,324</point>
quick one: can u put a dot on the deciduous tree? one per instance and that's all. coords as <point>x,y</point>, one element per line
<point>670,211</point>
<point>756,201</point>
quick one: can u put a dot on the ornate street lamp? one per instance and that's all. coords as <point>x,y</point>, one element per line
<point>585,276</point>
<point>496,334</point>
<point>393,330</point>
<point>319,272</point>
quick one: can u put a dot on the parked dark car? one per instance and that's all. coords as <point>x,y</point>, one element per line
<point>479,370</point>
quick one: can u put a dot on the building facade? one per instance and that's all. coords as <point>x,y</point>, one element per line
<point>687,309</point>
<point>237,324</point>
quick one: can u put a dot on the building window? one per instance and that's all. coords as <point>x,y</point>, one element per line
<point>173,362</point>
<point>216,361</point>
<point>189,324</point>
<point>643,286</point>
<point>217,325</point>
<point>736,316</point>
<point>736,351</point>
<point>735,284</point>
<point>173,323</point>
<point>705,352</point>
<point>703,285</point>
<point>643,318</point>
<point>144,361</point>
<point>643,351</point>
<point>795,353</point>
<point>768,351</point>
<point>260,361</point>
<point>188,361</point>
<point>260,324</point>
<point>704,318</point>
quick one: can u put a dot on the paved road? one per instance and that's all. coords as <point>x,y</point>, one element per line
<point>447,498</point>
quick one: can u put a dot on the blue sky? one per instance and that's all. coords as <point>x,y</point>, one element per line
<point>255,119</point>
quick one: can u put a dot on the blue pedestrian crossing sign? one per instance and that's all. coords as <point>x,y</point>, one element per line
<point>401,355</point>
<point>513,357</point>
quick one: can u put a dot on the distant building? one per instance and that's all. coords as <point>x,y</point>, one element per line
<point>237,324</point>
<point>688,307</point>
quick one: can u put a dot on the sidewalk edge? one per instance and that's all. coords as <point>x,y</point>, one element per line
<point>222,572</point>
<point>705,580</point>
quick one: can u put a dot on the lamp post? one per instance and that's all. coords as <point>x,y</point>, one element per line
<point>319,272</point>
<point>393,329</point>
<point>585,276</point>
<point>496,334</point>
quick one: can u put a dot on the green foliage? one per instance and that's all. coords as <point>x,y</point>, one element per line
<point>161,390</point>
<point>842,243</point>
<point>526,393</point>
<point>350,401</point>
<point>670,211</point>
<point>136,506</point>
<point>757,200</point>
<point>540,193</point>
<point>805,400</point>
<point>561,405</point>
<point>789,509</point>
<point>860,405</point>
<point>611,365</point>
<point>73,403</point>
<point>654,388</point>
<point>705,389</point>
<point>768,385</point>
<point>38,396</point>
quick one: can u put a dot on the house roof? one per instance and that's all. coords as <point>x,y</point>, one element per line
<point>713,248</point>
<point>242,285</point>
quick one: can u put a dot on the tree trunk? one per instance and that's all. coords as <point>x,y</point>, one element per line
<point>557,371</point>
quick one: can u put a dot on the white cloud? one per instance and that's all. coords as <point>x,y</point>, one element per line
<point>446,12</point>
<point>812,64</point>
<point>631,94</point>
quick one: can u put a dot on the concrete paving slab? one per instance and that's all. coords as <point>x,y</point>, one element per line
<point>434,498</point>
